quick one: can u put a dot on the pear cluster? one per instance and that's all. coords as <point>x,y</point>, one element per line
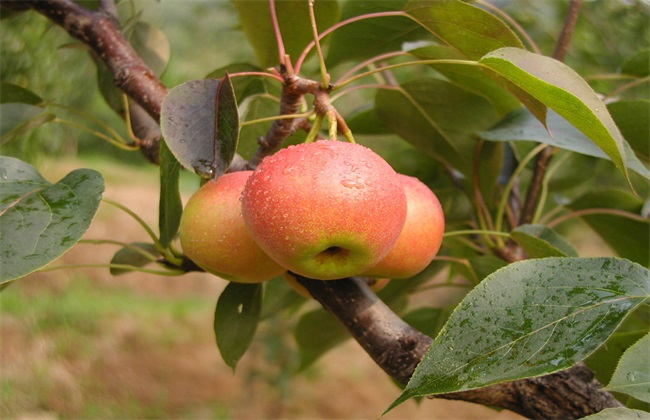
<point>324,210</point>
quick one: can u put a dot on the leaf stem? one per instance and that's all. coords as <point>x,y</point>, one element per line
<point>331,29</point>
<point>119,144</point>
<point>369,61</point>
<point>406,64</point>
<point>506,191</point>
<point>475,232</point>
<point>276,117</point>
<point>276,31</point>
<point>148,255</point>
<point>138,219</point>
<point>325,77</point>
<point>593,211</point>
<point>315,128</point>
<point>257,74</point>
<point>91,117</point>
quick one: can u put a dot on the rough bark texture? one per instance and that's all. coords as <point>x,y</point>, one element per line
<point>398,348</point>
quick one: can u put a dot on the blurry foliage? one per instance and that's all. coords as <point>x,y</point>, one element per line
<point>607,33</point>
<point>35,54</point>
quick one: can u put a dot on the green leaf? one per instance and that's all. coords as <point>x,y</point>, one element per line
<point>472,31</point>
<point>468,77</point>
<point>437,118</point>
<point>619,413</point>
<point>199,122</point>
<point>539,241</point>
<point>10,93</point>
<point>258,106</point>
<point>633,119</point>
<point>236,318</point>
<point>170,206</point>
<point>528,319</point>
<point>316,333</point>
<point>522,125</point>
<point>40,221</point>
<point>279,296</point>
<point>560,88</point>
<point>17,119</point>
<point>138,254</point>
<point>629,238</point>
<point>152,46</point>
<point>603,362</point>
<point>226,127</point>
<point>367,38</point>
<point>425,320</point>
<point>638,64</point>
<point>293,19</point>
<point>365,121</point>
<point>632,376</point>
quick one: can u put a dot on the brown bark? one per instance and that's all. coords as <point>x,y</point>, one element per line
<point>398,348</point>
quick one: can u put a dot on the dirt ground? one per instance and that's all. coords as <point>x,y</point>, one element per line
<point>152,364</point>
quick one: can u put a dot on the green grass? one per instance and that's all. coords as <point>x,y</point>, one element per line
<point>73,321</point>
<point>81,305</point>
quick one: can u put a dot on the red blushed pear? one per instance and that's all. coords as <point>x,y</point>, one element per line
<point>325,210</point>
<point>421,236</point>
<point>213,234</point>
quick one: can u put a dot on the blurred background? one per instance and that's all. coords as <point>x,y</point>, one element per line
<point>83,343</point>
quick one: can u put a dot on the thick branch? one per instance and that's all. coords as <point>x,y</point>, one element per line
<point>398,348</point>
<point>98,31</point>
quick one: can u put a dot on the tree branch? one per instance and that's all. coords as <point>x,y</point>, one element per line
<point>394,345</point>
<point>398,348</point>
<point>100,32</point>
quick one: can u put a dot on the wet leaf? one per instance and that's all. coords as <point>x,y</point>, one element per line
<point>236,318</point>
<point>539,241</point>
<point>40,221</point>
<point>138,254</point>
<point>170,206</point>
<point>528,319</point>
<point>199,122</point>
<point>472,31</point>
<point>632,376</point>
<point>522,125</point>
<point>561,89</point>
